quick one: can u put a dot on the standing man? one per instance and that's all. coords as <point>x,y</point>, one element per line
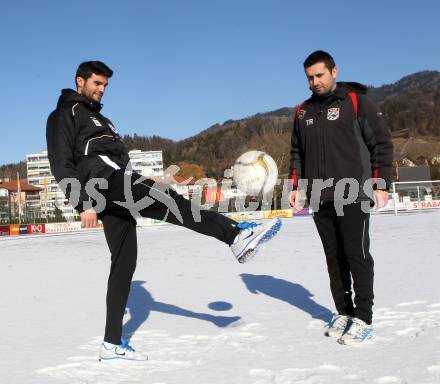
<point>342,149</point>
<point>84,145</point>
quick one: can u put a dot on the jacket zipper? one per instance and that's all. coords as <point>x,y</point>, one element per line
<point>321,163</point>
<point>322,134</point>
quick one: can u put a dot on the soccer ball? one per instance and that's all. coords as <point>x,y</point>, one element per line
<point>255,172</point>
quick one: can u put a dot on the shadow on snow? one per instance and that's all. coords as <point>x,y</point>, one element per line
<point>291,293</point>
<point>141,303</point>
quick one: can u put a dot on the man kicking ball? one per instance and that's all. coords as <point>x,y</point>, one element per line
<point>85,150</point>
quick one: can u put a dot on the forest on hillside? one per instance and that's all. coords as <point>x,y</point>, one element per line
<point>411,107</point>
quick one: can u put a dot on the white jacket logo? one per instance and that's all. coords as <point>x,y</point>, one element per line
<point>333,114</point>
<point>113,128</point>
<point>96,121</point>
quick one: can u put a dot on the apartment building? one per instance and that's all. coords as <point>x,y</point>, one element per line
<point>147,163</point>
<point>51,196</point>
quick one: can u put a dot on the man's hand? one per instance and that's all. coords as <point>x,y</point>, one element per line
<point>89,219</point>
<point>294,198</point>
<point>380,198</point>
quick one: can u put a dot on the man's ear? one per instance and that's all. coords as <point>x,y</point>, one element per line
<point>335,72</point>
<point>80,81</point>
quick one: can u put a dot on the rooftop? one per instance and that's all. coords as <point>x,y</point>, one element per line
<point>11,186</point>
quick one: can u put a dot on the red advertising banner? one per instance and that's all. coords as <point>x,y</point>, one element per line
<point>4,230</point>
<point>36,228</point>
<point>213,195</point>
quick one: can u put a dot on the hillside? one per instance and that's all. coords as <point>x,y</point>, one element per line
<point>410,105</point>
<point>427,80</point>
<point>9,171</point>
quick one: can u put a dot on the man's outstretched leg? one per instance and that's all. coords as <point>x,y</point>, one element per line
<point>164,203</point>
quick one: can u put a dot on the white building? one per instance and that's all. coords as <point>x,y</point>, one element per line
<point>147,163</point>
<point>40,175</point>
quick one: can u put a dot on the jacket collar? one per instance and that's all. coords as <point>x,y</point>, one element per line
<point>69,97</point>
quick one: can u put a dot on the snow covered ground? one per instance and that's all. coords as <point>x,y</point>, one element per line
<point>205,319</point>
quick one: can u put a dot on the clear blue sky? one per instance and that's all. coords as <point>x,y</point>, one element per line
<point>182,66</point>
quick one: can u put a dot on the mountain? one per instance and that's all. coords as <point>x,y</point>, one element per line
<point>410,105</point>
<point>426,80</point>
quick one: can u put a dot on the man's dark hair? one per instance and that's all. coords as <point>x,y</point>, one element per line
<point>320,57</point>
<point>87,68</point>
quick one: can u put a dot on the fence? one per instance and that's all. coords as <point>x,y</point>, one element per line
<point>413,196</point>
<point>405,197</point>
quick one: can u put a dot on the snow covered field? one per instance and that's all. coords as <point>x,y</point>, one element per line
<point>205,319</point>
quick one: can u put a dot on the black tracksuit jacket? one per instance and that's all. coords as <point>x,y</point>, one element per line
<point>331,140</point>
<point>82,143</point>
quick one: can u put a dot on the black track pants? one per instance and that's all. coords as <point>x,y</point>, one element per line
<point>121,239</point>
<point>346,244</point>
<point>120,233</point>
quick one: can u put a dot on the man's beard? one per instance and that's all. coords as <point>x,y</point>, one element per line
<point>328,90</point>
<point>90,98</point>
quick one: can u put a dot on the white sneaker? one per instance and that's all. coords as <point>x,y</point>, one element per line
<point>251,236</point>
<point>122,351</point>
<point>357,332</point>
<point>338,326</point>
